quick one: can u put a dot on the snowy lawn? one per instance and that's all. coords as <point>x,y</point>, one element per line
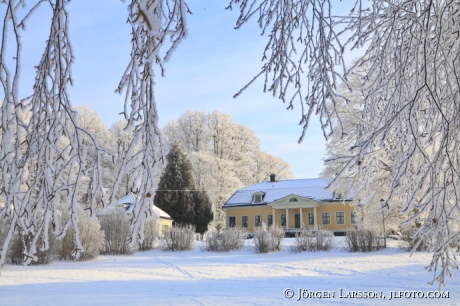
<point>237,278</point>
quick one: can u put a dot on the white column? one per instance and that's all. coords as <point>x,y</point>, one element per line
<point>314,216</point>
<point>301,218</point>
<point>273,218</point>
<point>287,218</point>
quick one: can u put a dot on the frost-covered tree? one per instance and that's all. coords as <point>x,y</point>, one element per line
<point>45,160</point>
<point>366,193</point>
<point>91,121</point>
<point>190,130</point>
<point>155,24</point>
<point>121,138</point>
<point>263,164</point>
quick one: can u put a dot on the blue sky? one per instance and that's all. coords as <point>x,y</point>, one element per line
<point>204,73</point>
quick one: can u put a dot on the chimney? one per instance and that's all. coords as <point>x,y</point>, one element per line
<point>272,178</point>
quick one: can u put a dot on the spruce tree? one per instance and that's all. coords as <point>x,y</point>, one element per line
<point>176,193</point>
<point>203,211</point>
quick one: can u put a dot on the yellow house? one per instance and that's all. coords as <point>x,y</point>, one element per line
<point>165,220</point>
<point>293,204</point>
<point>128,202</point>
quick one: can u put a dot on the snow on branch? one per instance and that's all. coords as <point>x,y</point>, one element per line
<point>407,134</point>
<point>44,160</point>
<point>155,24</point>
<point>302,55</point>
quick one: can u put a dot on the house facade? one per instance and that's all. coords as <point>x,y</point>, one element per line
<point>292,204</point>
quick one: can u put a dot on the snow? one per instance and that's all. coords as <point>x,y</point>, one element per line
<point>308,188</point>
<point>237,278</point>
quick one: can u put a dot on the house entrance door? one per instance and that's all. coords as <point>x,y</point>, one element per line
<point>297,220</point>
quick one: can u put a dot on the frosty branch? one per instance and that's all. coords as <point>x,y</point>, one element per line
<point>154,25</point>
<point>410,113</point>
<point>44,159</point>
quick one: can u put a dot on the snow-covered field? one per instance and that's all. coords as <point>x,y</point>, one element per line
<point>236,278</point>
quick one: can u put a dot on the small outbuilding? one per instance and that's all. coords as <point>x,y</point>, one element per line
<point>128,202</point>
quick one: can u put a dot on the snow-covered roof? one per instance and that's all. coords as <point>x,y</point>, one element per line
<point>161,213</point>
<point>308,188</point>
<point>128,202</point>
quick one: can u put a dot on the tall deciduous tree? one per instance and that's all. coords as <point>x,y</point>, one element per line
<point>177,194</point>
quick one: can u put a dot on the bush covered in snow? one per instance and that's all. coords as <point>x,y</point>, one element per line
<point>115,224</point>
<point>151,229</point>
<point>313,240</point>
<point>91,238</point>
<point>409,243</point>
<point>4,224</point>
<point>363,240</point>
<point>20,242</point>
<point>178,238</point>
<point>229,240</point>
<point>268,240</point>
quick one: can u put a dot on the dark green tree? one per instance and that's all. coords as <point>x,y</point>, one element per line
<point>203,211</point>
<point>176,193</point>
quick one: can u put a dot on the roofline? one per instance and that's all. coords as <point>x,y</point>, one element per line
<point>267,203</point>
<point>244,204</point>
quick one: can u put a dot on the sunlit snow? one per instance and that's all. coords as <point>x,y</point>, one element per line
<point>236,278</point>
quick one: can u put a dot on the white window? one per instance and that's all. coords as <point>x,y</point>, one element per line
<point>326,218</point>
<point>311,219</point>
<point>244,221</point>
<point>340,217</point>
<point>257,198</point>
<point>283,219</point>
<point>231,221</point>
<point>270,220</point>
<point>258,221</point>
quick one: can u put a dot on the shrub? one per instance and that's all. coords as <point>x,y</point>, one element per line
<point>18,244</point>
<point>3,230</point>
<point>91,238</point>
<point>268,240</point>
<point>229,240</point>
<point>115,225</point>
<point>151,228</point>
<point>179,238</point>
<point>313,240</point>
<point>409,243</point>
<point>362,240</point>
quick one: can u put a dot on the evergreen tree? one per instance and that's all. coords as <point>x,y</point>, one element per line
<point>176,193</point>
<point>203,211</point>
